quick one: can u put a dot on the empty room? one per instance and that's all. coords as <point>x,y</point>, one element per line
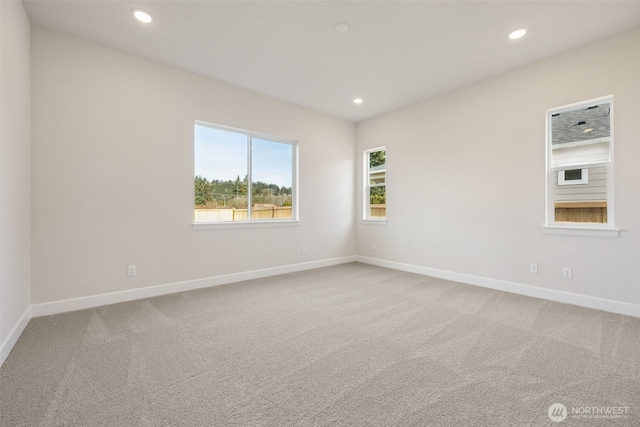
<point>319,213</point>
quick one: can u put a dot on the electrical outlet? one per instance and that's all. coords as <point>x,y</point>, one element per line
<point>131,270</point>
<point>533,268</point>
<point>304,250</point>
<point>567,273</point>
<point>374,247</point>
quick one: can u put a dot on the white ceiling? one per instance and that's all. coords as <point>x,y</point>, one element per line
<point>395,53</point>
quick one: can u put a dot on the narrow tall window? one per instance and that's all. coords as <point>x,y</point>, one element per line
<point>375,179</point>
<point>580,165</point>
<point>241,176</point>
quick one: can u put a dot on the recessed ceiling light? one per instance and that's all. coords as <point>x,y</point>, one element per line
<point>142,15</point>
<point>358,100</point>
<point>342,27</point>
<point>514,35</point>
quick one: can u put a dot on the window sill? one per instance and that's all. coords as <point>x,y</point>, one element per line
<point>582,231</point>
<point>243,224</point>
<point>382,221</point>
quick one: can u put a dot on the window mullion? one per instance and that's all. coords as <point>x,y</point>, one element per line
<point>249,177</point>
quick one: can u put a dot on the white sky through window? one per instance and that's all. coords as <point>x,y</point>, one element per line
<point>222,155</point>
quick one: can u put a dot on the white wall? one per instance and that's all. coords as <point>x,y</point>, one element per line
<point>14,174</point>
<point>466,178</point>
<point>112,141</point>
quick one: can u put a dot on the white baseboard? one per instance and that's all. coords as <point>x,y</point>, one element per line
<point>81,303</point>
<point>7,345</point>
<point>612,306</point>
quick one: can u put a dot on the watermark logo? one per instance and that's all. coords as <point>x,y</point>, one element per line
<point>557,412</point>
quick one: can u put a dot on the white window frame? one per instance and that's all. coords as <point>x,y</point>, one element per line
<point>578,228</point>
<point>366,214</point>
<point>252,223</point>
<point>584,177</point>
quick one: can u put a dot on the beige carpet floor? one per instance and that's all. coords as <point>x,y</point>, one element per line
<point>349,345</point>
